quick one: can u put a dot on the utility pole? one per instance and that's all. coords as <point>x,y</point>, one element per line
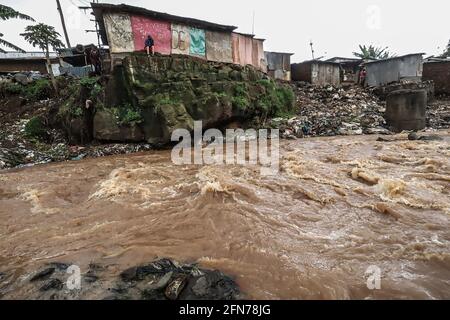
<point>312,48</point>
<point>58,4</point>
<point>253,23</point>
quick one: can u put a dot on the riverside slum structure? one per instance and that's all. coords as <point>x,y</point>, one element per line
<point>125,28</point>
<point>317,72</point>
<point>349,69</point>
<point>438,71</point>
<point>17,62</point>
<point>200,71</point>
<point>399,80</point>
<point>329,105</point>
<point>279,65</point>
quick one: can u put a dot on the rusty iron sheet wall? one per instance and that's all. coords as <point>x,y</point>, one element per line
<point>119,32</point>
<point>242,49</point>
<point>301,72</point>
<point>279,65</point>
<point>393,70</point>
<point>323,74</point>
<point>258,56</point>
<point>219,46</point>
<point>181,39</point>
<point>159,30</point>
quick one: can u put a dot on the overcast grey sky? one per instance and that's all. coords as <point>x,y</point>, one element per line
<point>335,27</point>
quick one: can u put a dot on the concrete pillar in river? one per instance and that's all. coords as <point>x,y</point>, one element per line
<point>406,110</point>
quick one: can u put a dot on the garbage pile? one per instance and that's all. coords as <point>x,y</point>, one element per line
<point>23,78</point>
<point>438,114</point>
<point>330,111</point>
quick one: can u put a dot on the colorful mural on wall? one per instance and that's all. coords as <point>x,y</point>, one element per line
<point>219,46</point>
<point>197,42</point>
<point>120,33</point>
<point>128,34</point>
<point>181,39</point>
<point>159,30</point>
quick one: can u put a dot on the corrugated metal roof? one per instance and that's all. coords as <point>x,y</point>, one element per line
<point>395,58</point>
<point>283,53</point>
<point>27,55</point>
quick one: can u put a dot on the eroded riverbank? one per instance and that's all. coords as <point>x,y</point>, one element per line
<point>338,206</point>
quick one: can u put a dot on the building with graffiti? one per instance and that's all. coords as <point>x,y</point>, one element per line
<point>124,29</point>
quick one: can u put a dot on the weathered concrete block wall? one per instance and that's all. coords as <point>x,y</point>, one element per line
<point>171,92</point>
<point>439,73</point>
<point>394,70</point>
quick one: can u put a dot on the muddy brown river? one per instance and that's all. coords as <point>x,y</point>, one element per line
<point>338,207</point>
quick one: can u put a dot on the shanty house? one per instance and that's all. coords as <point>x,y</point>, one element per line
<point>350,68</point>
<point>396,69</point>
<point>317,72</point>
<point>13,62</point>
<point>279,65</point>
<point>125,28</point>
<point>438,70</point>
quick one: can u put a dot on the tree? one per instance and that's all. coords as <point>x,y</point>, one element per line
<point>7,13</point>
<point>372,53</point>
<point>446,53</point>
<point>44,37</point>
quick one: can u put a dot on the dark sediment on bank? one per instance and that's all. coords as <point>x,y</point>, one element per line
<point>163,279</point>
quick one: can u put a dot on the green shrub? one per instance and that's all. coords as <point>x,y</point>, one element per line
<point>35,128</point>
<point>241,99</point>
<point>92,85</point>
<point>241,102</point>
<point>127,115</point>
<point>38,90</point>
<point>13,88</point>
<point>278,101</point>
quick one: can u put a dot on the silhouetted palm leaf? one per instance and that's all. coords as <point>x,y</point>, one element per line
<point>7,44</point>
<point>7,13</point>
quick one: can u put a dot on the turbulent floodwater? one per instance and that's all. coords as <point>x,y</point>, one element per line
<point>338,206</point>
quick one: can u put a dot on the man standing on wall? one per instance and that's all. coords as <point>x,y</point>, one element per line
<point>150,45</point>
<point>363,76</point>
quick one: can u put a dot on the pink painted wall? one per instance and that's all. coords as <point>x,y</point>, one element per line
<point>242,49</point>
<point>160,31</point>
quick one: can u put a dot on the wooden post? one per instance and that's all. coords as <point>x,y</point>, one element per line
<point>58,4</point>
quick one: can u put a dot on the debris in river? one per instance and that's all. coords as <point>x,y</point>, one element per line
<point>163,279</point>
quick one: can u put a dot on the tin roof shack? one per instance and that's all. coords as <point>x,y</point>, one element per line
<point>125,28</point>
<point>248,50</point>
<point>438,70</point>
<point>350,68</point>
<point>317,72</point>
<point>14,62</point>
<point>396,69</point>
<point>279,65</point>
